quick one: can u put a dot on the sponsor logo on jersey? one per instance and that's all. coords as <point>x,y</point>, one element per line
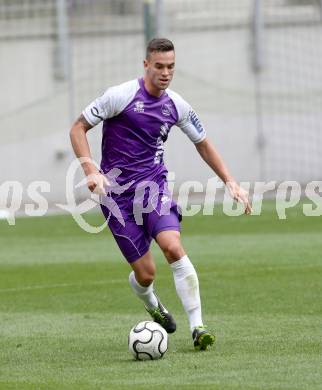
<point>139,106</point>
<point>166,109</point>
<point>164,131</point>
<point>195,121</point>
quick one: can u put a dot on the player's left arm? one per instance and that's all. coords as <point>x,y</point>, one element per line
<point>190,124</point>
<point>211,156</point>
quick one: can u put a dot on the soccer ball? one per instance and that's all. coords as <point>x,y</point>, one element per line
<point>148,341</point>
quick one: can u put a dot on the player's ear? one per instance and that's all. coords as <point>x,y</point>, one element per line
<point>145,63</point>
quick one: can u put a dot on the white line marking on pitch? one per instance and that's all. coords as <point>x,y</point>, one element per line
<point>47,286</point>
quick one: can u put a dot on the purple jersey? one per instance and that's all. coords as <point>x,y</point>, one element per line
<point>136,125</point>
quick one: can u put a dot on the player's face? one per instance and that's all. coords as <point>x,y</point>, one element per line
<point>159,69</point>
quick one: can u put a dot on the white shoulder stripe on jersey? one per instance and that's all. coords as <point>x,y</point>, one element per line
<point>111,103</point>
<point>188,120</point>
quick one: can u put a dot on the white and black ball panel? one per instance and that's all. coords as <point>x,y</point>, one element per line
<point>144,356</point>
<point>144,336</point>
<point>140,326</point>
<point>163,344</point>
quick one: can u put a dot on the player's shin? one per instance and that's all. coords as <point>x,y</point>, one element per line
<point>187,286</point>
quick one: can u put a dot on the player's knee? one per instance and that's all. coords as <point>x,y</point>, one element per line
<point>145,276</point>
<point>145,279</point>
<point>173,250</point>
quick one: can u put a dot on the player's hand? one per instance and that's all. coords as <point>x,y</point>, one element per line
<point>96,183</point>
<point>240,195</point>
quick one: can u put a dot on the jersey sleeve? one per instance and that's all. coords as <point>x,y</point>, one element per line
<point>188,120</point>
<point>111,103</point>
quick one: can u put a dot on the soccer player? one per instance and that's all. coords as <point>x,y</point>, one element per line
<point>137,117</point>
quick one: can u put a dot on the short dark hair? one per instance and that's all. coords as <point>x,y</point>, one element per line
<point>159,44</point>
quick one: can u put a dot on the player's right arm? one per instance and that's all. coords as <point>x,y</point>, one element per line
<point>95,180</point>
<point>108,105</point>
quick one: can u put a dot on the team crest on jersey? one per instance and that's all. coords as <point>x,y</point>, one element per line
<point>139,106</point>
<point>166,109</point>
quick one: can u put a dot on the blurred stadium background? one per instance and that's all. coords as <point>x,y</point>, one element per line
<point>252,69</point>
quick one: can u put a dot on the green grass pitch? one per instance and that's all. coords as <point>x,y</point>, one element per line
<point>66,307</point>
